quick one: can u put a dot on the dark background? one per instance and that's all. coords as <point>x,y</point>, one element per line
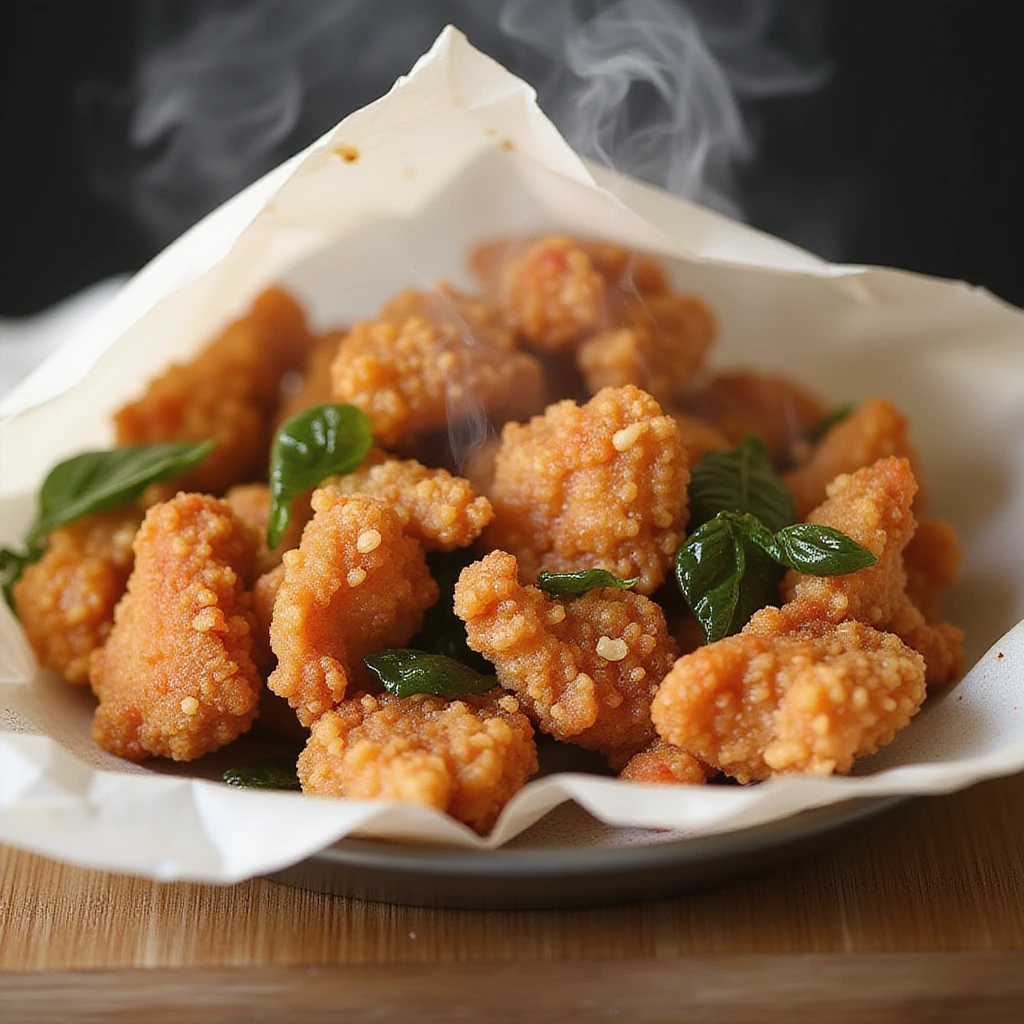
<point>903,157</point>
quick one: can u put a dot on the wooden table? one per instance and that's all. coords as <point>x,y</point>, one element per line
<point>920,916</point>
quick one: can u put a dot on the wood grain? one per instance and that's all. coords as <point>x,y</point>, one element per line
<point>940,875</point>
<point>952,988</point>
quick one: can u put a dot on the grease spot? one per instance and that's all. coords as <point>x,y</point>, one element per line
<point>409,172</point>
<point>507,144</point>
<point>1000,655</point>
<point>347,153</point>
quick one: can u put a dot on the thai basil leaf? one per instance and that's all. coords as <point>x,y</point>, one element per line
<point>834,418</point>
<point>271,773</point>
<point>96,481</point>
<point>724,577</point>
<point>405,672</point>
<point>741,479</point>
<point>573,584</point>
<point>443,631</point>
<point>819,551</point>
<point>314,444</point>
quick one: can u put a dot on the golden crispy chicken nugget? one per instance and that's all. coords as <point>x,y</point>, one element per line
<point>585,668</point>
<point>773,406</point>
<point>466,757</point>
<point>441,511</point>
<point>356,584</point>
<point>228,393</point>
<point>665,764</point>
<point>600,485</point>
<point>661,346</point>
<point>873,506</point>
<point>433,360</point>
<point>251,503</point>
<point>772,700</point>
<point>873,431</point>
<point>66,600</point>
<point>931,559</point>
<point>176,677</point>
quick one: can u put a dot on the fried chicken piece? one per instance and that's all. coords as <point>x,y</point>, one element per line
<point>873,507</point>
<point>875,430</point>
<point>316,387</point>
<point>356,584</point>
<point>251,503</point>
<point>439,510</point>
<point>771,700</point>
<point>466,757</point>
<point>662,345</point>
<point>697,437</point>
<point>264,597</point>
<point>584,668</point>
<point>479,466</point>
<point>176,677</point>
<point>555,290</point>
<point>663,763</point>
<point>66,600</point>
<point>931,561</point>
<point>602,485</point>
<point>228,393</point>
<point>776,408</point>
<point>432,360</point>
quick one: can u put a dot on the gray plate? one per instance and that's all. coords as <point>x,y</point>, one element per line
<point>540,871</point>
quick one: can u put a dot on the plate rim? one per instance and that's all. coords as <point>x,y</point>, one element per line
<point>561,861</point>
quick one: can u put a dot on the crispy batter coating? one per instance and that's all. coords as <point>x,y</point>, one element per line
<point>662,345</point>
<point>747,402</point>
<point>555,291</point>
<point>441,511</point>
<point>770,700</point>
<point>931,560</point>
<point>228,393</point>
<point>697,436</point>
<point>176,678</point>
<point>66,600</point>
<point>585,668</point>
<point>466,757</point>
<point>479,465</point>
<point>316,387</point>
<point>602,485</point>
<point>663,763</point>
<point>251,503</point>
<point>873,506</point>
<point>356,584</point>
<point>875,430</point>
<point>264,597</point>
<point>432,360</point>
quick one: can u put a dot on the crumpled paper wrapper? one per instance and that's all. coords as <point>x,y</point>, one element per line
<point>459,150</point>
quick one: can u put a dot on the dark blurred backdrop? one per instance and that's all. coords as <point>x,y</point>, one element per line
<point>894,147</point>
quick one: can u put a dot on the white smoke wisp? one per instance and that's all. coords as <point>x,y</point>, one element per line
<point>651,88</point>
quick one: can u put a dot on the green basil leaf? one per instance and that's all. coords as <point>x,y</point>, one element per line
<point>820,551</point>
<point>443,631</point>
<point>834,418</point>
<point>573,584</point>
<point>270,773</point>
<point>405,672</point>
<point>316,443</point>
<point>742,480</point>
<point>724,576</point>
<point>12,565</point>
<point>96,481</point>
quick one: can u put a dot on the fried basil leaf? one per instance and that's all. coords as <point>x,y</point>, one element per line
<point>405,672</point>
<point>316,443</point>
<point>819,550</point>
<point>573,584</point>
<point>270,773</point>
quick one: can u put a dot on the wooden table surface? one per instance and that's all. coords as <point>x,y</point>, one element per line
<point>940,882</point>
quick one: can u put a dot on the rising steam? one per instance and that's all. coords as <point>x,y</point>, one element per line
<point>225,90</point>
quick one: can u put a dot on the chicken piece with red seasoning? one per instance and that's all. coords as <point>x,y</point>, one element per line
<point>873,506</point>
<point>176,677</point>
<point>433,360</point>
<point>228,393</point>
<point>356,584</point>
<point>66,600</point>
<point>467,757</point>
<point>664,764</point>
<point>601,485</point>
<point>584,668</point>
<point>778,699</point>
